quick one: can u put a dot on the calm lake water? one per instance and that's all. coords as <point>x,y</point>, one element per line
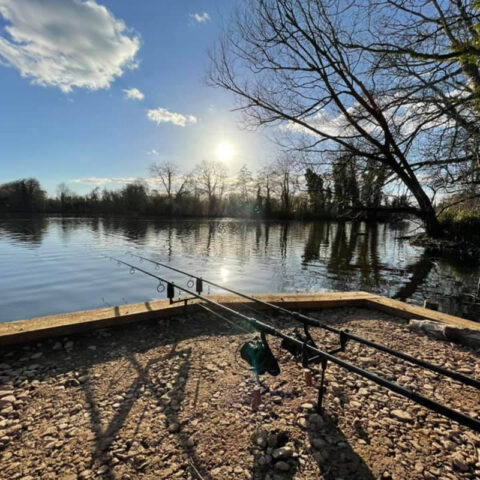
<point>52,265</point>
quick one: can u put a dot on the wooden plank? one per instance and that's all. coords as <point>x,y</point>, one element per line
<point>38,328</point>
<point>405,310</point>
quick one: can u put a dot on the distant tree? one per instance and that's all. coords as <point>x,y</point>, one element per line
<point>172,181</point>
<point>25,195</point>
<point>135,197</point>
<point>210,177</point>
<point>315,190</point>
<point>371,186</point>
<point>346,190</point>
<point>64,194</point>
<point>244,182</point>
<point>265,180</point>
<point>285,181</point>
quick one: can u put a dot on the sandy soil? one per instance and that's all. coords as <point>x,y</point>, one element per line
<point>172,400</point>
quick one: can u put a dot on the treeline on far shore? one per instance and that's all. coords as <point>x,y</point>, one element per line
<point>273,193</point>
<point>343,196</point>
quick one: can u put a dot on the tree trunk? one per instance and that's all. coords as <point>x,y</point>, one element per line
<point>426,211</point>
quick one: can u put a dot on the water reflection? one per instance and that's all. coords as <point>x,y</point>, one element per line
<point>66,274</point>
<point>28,231</point>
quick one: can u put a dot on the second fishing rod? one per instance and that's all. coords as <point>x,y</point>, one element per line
<point>307,320</point>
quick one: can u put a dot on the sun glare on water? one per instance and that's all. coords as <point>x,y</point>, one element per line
<point>224,273</point>
<point>225,152</point>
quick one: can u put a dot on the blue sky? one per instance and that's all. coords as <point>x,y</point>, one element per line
<point>66,67</point>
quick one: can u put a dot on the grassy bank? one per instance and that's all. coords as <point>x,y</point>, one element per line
<point>462,222</point>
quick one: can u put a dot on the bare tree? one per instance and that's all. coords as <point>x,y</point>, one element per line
<point>244,182</point>
<point>265,181</point>
<point>172,181</point>
<point>298,63</point>
<point>169,174</point>
<point>285,181</point>
<point>210,177</point>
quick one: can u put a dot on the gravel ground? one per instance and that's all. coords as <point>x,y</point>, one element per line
<point>172,400</point>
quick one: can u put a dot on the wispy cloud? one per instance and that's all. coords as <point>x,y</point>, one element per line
<point>162,115</point>
<point>104,181</point>
<point>153,152</point>
<point>200,17</point>
<point>133,93</point>
<point>67,43</point>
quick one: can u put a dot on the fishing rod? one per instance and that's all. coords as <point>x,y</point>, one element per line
<point>344,335</point>
<point>325,357</point>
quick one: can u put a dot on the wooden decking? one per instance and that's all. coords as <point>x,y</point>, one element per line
<point>39,328</point>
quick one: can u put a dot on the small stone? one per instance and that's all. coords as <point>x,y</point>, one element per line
<point>402,415</point>
<point>5,401</point>
<point>282,466</point>
<point>419,467</point>
<point>316,419</point>
<point>307,406</point>
<point>459,463</point>
<point>261,441</point>
<point>173,427</point>
<point>68,345</point>
<point>318,443</point>
<point>282,453</point>
<point>302,423</point>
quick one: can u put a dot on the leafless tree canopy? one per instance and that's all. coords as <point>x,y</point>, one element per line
<point>171,179</point>
<point>392,82</point>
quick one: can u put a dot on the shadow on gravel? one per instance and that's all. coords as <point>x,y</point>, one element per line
<point>121,347</point>
<point>171,405</point>
<point>331,450</point>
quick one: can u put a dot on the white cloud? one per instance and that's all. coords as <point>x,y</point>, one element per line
<point>162,115</point>
<point>66,43</point>
<point>201,17</point>
<point>104,181</point>
<point>133,93</point>
<point>154,152</point>
<point>101,181</point>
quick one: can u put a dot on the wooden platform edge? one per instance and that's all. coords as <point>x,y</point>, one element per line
<point>40,328</point>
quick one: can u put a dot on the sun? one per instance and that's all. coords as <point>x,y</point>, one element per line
<point>225,152</point>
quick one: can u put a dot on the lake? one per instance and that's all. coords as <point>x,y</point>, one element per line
<point>52,265</point>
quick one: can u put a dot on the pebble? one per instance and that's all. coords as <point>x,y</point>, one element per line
<point>318,443</point>
<point>4,401</point>
<point>261,441</point>
<point>173,427</point>
<point>402,415</point>
<point>459,463</point>
<point>282,466</point>
<point>282,453</point>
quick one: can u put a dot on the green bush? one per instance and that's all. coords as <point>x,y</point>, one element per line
<point>461,223</point>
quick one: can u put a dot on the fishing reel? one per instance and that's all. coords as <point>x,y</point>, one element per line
<point>300,351</point>
<point>259,356</point>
